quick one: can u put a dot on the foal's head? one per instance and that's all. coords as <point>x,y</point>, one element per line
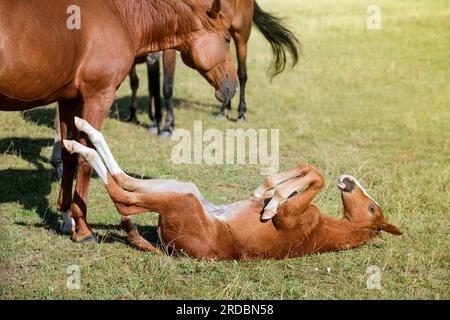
<point>208,50</point>
<point>360,208</point>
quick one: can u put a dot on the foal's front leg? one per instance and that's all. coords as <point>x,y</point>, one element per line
<point>310,180</point>
<point>267,189</point>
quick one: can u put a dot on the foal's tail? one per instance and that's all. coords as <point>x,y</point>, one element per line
<point>280,38</point>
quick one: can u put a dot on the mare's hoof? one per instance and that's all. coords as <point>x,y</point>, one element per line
<point>90,238</point>
<point>241,120</point>
<point>153,130</point>
<point>165,134</point>
<point>132,119</point>
<point>221,117</point>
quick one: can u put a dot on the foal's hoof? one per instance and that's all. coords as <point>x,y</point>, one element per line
<point>267,215</point>
<point>165,134</point>
<point>90,238</point>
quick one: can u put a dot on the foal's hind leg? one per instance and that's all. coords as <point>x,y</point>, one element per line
<point>94,160</point>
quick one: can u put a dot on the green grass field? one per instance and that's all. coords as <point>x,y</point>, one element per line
<point>371,103</point>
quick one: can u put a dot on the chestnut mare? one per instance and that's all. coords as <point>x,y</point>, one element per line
<point>277,221</point>
<point>245,14</point>
<point>82,68</point>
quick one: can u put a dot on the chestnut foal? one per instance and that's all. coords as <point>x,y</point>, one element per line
<point>277,221</point>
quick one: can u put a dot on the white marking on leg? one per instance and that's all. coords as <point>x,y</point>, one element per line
<point>100,144</point>
<point>91,156</point>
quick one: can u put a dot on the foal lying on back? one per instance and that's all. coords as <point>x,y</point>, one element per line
<point>277,221</point>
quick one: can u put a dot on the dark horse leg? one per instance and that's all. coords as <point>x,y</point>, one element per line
<point>67,111</point>
<point>154,97</point>
<point>241,51</point>
<point>170,60</point>
<point>134,84</point>
<point>240,40</point>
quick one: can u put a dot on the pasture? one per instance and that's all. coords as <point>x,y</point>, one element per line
<point>371,103</point>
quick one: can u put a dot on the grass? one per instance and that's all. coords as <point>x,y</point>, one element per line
<point>374,104</point>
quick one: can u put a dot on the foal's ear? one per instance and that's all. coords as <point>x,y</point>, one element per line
<point>389,228</point>
<point>215,9</point>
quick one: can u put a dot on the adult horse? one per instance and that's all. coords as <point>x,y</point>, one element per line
<point>244,15</point>
<point>43,61</point>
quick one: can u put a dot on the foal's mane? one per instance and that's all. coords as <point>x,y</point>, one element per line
<point>165,21</point>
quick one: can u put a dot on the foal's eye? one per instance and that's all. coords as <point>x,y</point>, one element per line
<point>372,209</point>
<point>228,40</point>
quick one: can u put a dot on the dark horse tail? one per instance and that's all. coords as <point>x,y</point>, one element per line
<point>280,38</point>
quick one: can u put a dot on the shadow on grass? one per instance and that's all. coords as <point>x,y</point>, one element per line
<point>28,187</point>
<point>41,116</point>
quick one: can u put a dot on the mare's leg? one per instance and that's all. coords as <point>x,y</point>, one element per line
<point>67,111</point>
<point>134,84</point>
<point>170,60</point>
<point>154,88</point>
<point>56,160</point>
<point>241,51</point>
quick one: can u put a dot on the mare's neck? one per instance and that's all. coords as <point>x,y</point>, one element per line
<point>159,24</point>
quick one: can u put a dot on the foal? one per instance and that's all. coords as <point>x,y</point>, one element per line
<point>277,221</point>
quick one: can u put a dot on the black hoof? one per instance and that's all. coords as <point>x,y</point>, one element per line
<point>90,238</point>
<point>132,119</point>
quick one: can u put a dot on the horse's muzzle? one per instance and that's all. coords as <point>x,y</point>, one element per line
<point>346,183</point>
<point>227,91</point>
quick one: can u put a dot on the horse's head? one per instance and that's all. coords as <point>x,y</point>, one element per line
<point>208,51</point>
<point>359,207</point>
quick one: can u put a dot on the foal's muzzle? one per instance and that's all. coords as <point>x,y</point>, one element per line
<point>346,183</point>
